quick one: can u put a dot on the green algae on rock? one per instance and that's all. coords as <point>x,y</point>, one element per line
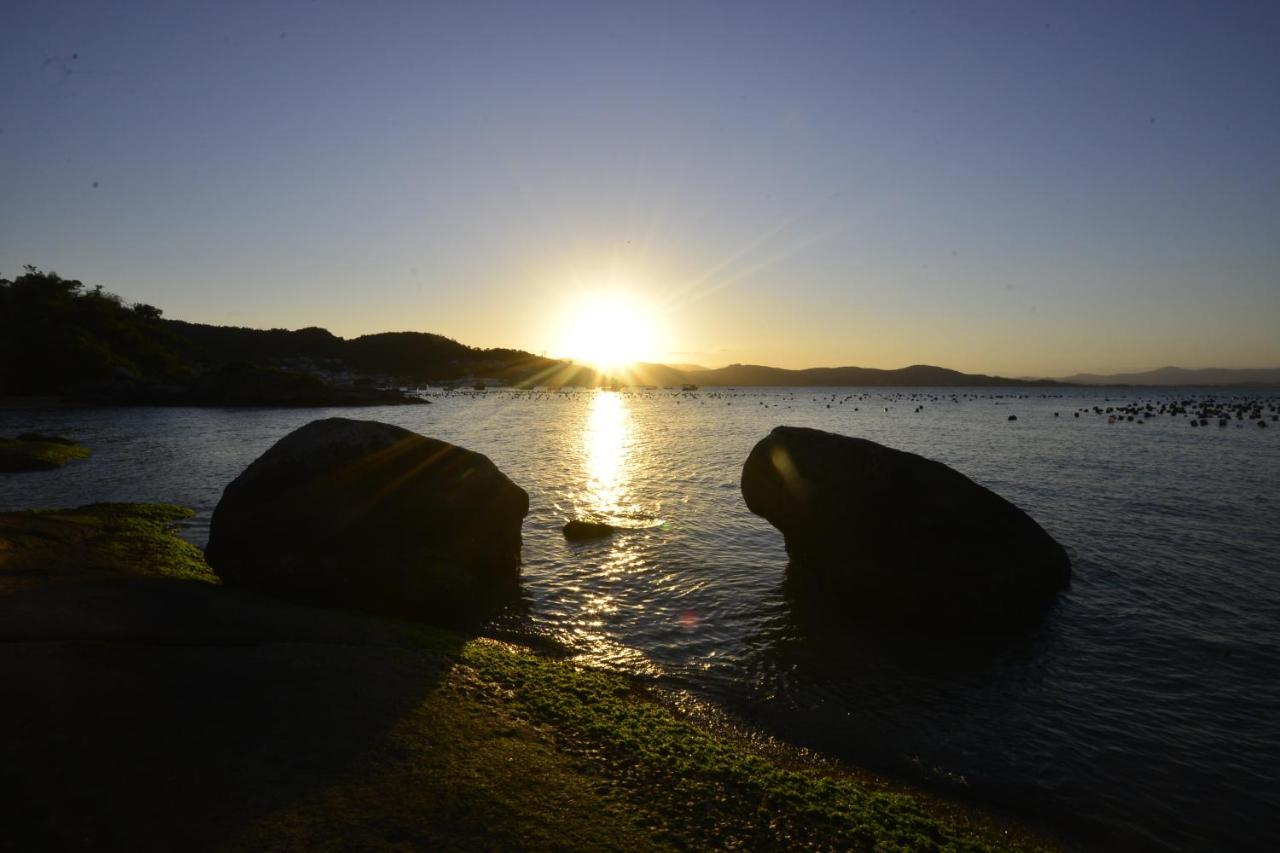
<point>32,452</point>
<point>105,539</point>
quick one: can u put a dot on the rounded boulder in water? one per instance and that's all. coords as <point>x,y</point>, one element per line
<point>880,533</point>
<point>371,516</point>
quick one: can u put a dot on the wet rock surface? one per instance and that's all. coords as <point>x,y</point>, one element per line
<point>578,529</point>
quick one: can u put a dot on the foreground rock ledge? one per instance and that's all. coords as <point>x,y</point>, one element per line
<point>371,516</point>
<point>193,717</point>
<point>874,531</point>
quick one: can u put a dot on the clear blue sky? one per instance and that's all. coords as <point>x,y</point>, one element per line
<point>1013,188</point>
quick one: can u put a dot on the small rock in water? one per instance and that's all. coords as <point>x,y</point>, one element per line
<point>48,439</point>
<point>580,529</point>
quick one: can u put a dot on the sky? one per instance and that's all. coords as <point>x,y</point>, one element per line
<point>1010,188</point>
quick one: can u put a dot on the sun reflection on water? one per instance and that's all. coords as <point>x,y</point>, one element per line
<point>610,452</point>
<point>607,450</point>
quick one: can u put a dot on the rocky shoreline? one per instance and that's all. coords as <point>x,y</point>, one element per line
<point>153,708</point>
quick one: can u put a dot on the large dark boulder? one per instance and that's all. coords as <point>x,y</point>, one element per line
<point>877,532</point>
<point>371,516</point>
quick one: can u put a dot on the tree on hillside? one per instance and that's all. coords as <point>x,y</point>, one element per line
<point>56,334</point>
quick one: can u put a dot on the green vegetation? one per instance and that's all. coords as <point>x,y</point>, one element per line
<point>706,790</point>
<point>194,712</point>
<point>100,539</point>
<point>38,453</point>
<point>56,334</point>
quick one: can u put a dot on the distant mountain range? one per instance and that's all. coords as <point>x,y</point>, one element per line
<point>1181,376</point>
<point>916,374</point>
<point>422,356</point>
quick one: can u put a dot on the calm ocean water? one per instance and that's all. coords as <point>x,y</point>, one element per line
<point>1145,711</point>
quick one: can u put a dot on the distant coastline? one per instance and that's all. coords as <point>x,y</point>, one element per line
<point>59,337</point>
<point>917,375</point>
<point>1181,377</point>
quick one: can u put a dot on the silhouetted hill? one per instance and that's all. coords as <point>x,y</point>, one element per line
<point>56,334</point>
<point>915,375</point>
<point>1181,376</point>
<point>420,355</point>
<point>60,336</point>
<point>661,375</point>
<point>214,346</point>
<point>412,356</point>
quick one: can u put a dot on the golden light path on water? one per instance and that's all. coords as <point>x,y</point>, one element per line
<point>608,451</point>
<point>607,448</point>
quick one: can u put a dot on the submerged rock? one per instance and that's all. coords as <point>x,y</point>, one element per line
<point>581,529</point>
<point>34,452</point>
<point>371,516</point>
<point>884,533</point>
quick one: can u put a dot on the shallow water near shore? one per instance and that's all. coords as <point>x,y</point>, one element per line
<point>1143,710</point>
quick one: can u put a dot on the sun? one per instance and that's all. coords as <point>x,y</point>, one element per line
<point>608,330</point>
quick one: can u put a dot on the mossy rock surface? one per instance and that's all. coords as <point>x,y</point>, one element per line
<point>32,452</point>
<point>148,708</point>
<point>97,541</point>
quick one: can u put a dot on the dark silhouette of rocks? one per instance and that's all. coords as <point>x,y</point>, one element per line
<point>578,529</point>
<point>877,532</point>
<point>48,439</point>
<point>371,516</point>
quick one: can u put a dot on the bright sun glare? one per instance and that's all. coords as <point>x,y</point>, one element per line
<point>609,331</point>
